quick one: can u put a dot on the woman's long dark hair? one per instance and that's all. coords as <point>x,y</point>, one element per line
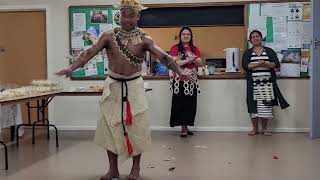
<point>180,45</point>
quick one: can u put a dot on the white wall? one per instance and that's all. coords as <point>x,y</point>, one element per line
<point>221,104</point>
<point>221,107</point>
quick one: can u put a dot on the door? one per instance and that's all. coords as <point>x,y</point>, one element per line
<point>315,72</point>
<point>23,48</point>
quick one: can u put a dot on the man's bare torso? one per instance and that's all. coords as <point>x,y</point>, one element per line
<point>117,62</point>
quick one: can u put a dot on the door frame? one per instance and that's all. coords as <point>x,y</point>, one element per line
<point>49,35</point>
<point>314,100</point>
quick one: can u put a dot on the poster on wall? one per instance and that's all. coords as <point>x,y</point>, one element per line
<point>295,32</point>
<point>258,23</point>
<point>79,22</point>
<point>105,28</point>
<point>291,56</point>
<point>87,23</point>
<point>274,9</point>
<point>99,16</point>
<point>291,33</point>
<point>295,12</point>
<point>306,11</point>
<point>91,69</point>
<point>305,57</point>
<point>290,63</point>
<point>77,41</point>
<point>280,35</point>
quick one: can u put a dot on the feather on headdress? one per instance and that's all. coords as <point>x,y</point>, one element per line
<point>133,4</point>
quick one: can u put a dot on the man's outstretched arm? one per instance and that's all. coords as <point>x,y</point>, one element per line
<point>167,59</point>
<point>86,56</point>
<point>161,55</point>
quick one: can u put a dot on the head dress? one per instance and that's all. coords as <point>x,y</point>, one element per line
<point>123,37</point>
<point>132,4</point>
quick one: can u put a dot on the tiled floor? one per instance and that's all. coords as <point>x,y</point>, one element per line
<point>204,156</point>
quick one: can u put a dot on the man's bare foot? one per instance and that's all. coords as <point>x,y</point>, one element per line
<point>134,175</point>
<point>110,174</point>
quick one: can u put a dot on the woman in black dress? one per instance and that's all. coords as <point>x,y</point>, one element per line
<point>184,98</point>
<point>262,89</point>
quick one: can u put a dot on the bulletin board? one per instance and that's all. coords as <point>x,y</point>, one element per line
<point>212,38</point>
<point>287,29</point>
<point>86,24</point>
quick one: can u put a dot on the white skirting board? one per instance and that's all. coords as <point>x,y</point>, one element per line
<point>208,129</point>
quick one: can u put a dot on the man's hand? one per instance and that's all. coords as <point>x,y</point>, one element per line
<point>65,72</point>
<point>168,60</point>
<point>85,56</point>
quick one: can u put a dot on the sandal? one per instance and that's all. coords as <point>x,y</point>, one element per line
<point>183,134</point>
<point>190,133</point>
<point>253,133</point>
<point>266,133</point>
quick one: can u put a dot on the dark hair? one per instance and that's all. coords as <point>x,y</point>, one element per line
<point>255,31</point>
<point>180,45</point>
